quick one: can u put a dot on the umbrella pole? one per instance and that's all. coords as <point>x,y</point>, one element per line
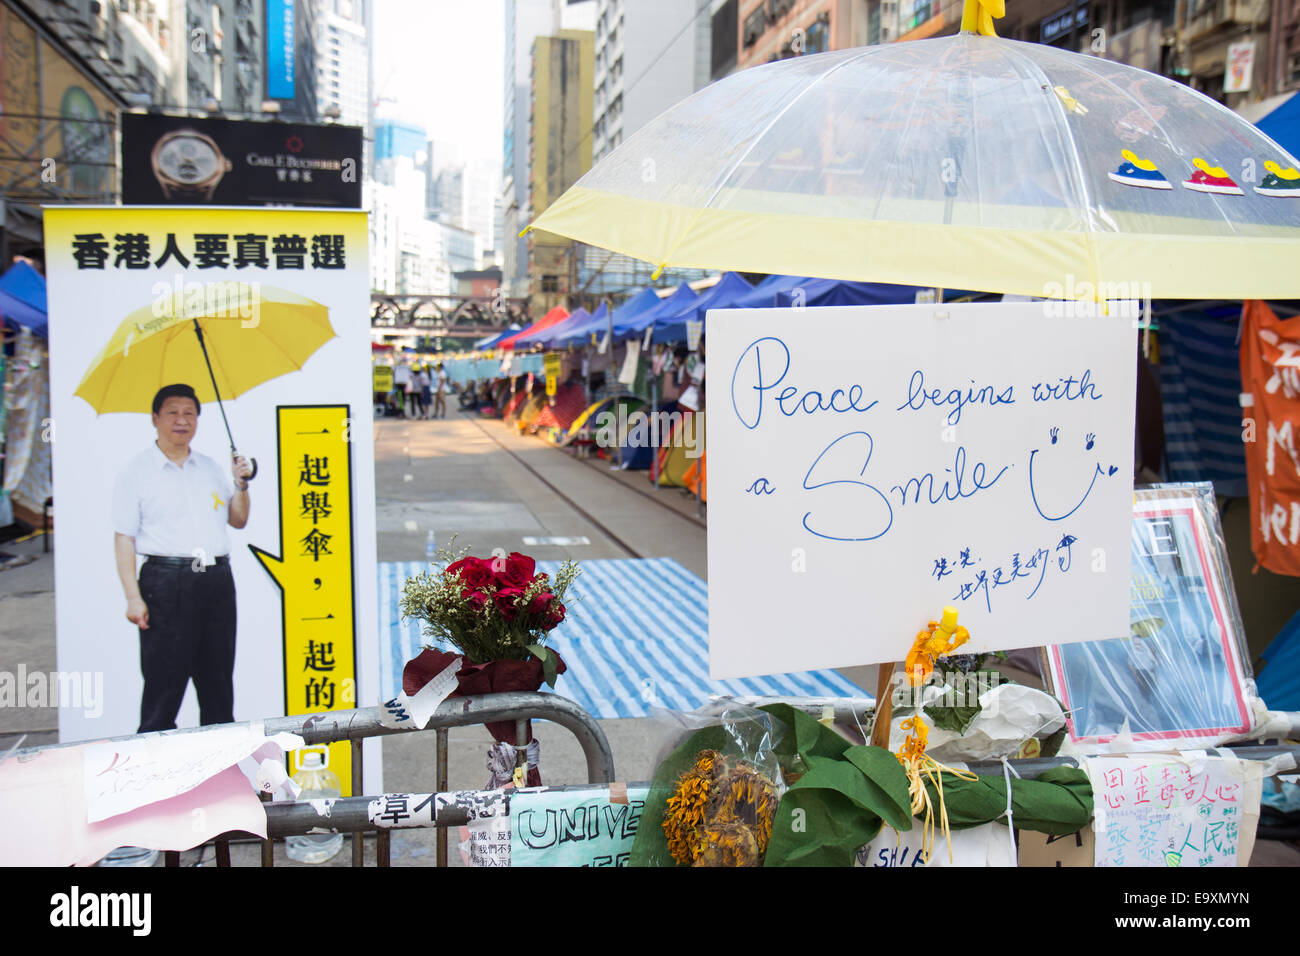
<point>198,330</point>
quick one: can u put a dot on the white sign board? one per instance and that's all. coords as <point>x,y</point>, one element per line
<point>870,465</point>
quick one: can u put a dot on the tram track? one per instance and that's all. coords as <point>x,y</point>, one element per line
<point>586,515</point>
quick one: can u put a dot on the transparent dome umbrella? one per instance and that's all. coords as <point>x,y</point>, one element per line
<point>969,162</point>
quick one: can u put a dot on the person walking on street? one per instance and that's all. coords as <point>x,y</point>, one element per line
<point>426,399</point>
<point>172,505</point>
<point>401,387</point>
<point>440,394</point>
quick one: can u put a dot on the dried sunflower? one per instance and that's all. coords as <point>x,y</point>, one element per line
<point>720,814</point>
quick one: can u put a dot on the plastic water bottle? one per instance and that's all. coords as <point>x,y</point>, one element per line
<point>318,782</point>
<point>430,546</point>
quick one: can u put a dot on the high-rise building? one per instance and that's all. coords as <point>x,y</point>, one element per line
<point>395,138</point>
<point>525,21</point>
<point>645,61</point>
<point>342,61</point>
<point>559,140</point>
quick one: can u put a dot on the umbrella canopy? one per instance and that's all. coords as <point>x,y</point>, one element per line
<point>22,299</point>
<point>150,350</point>
<point>967,162</point>
<point>724,295</point>
<point>556,315</point>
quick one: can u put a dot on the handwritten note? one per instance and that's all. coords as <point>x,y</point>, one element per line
<point>871,465</point>
<point>1162,811</point>
<point>574,827</point>
<point>122,775</point>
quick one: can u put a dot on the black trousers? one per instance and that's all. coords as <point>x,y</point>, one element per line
<point>191,636</point>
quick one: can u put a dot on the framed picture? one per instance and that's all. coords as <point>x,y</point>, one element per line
<point>1179,677</point>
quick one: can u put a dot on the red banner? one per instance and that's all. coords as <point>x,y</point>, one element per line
<point>1270,377</point>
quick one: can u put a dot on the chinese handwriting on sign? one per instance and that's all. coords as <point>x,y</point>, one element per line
<point>1165,813</point>
<point>982,582</point>
<point>209,250</point>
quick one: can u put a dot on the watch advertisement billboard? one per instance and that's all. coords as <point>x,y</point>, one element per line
<point>190,161</point>
<point>212,429</point>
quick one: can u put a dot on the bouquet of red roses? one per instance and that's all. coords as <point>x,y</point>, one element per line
<point>491,609</point>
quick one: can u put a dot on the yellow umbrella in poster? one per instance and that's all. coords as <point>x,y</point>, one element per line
<point>222,338</point>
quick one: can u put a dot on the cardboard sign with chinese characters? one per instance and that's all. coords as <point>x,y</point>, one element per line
<point>870,465</point>
<point>277,299</point>
<point>1164,810</point>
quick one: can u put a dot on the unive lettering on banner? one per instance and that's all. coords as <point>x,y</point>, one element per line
<point>574,827</point>
<point>1164,811</point>
<point>871,465</point>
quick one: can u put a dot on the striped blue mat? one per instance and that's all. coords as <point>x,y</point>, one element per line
<point>635,637</point>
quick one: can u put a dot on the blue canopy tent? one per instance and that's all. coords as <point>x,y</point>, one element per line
<point>545,336</point>
<point>580,333</point>
<point>491,340</point>
<point>723,295</point>
<point>813,293</point>
<point>1279,682</point>
<point>763,295</point>
<point>633,325</point>
<point>1282,125</point>
<point>22,299</point>
<point>571,332</point>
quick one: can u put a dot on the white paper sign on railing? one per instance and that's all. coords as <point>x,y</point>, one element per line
<point>869,465</point>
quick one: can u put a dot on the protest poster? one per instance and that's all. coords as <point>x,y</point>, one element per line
<point>1174,810</point>
<point>871,465</point>
<point>1178,677</point>
<point>585,827</point>
<point>268,309</point>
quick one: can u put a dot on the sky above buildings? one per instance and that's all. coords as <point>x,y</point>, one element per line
<point>442,64</point>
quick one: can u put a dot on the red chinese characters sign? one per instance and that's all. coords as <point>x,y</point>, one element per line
<point>1270,378</point>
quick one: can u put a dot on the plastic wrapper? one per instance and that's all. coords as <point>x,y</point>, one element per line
<point>1181,678</point>
<point>716,789</point>
<point>1009,717</point>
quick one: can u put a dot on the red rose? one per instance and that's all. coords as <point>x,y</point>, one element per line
<point>473,572</point>
<point>516,571</point>
<point>505,599</point>
<point>476,599</point>
<point>541,604</point>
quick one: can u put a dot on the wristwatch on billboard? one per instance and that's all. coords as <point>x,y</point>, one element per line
<point>188,164</point>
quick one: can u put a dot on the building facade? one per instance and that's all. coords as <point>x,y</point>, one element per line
<point>644,43</point>
<point>343,61</point>
<point>525,20</point>
<point>559,143</point>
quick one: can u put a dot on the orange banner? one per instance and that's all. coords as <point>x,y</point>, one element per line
<point>1270,379</point>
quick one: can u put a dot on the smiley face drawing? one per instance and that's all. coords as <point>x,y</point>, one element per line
<point>1047,486</point>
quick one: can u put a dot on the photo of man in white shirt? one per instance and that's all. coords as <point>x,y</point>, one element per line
<point>173,505</point>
